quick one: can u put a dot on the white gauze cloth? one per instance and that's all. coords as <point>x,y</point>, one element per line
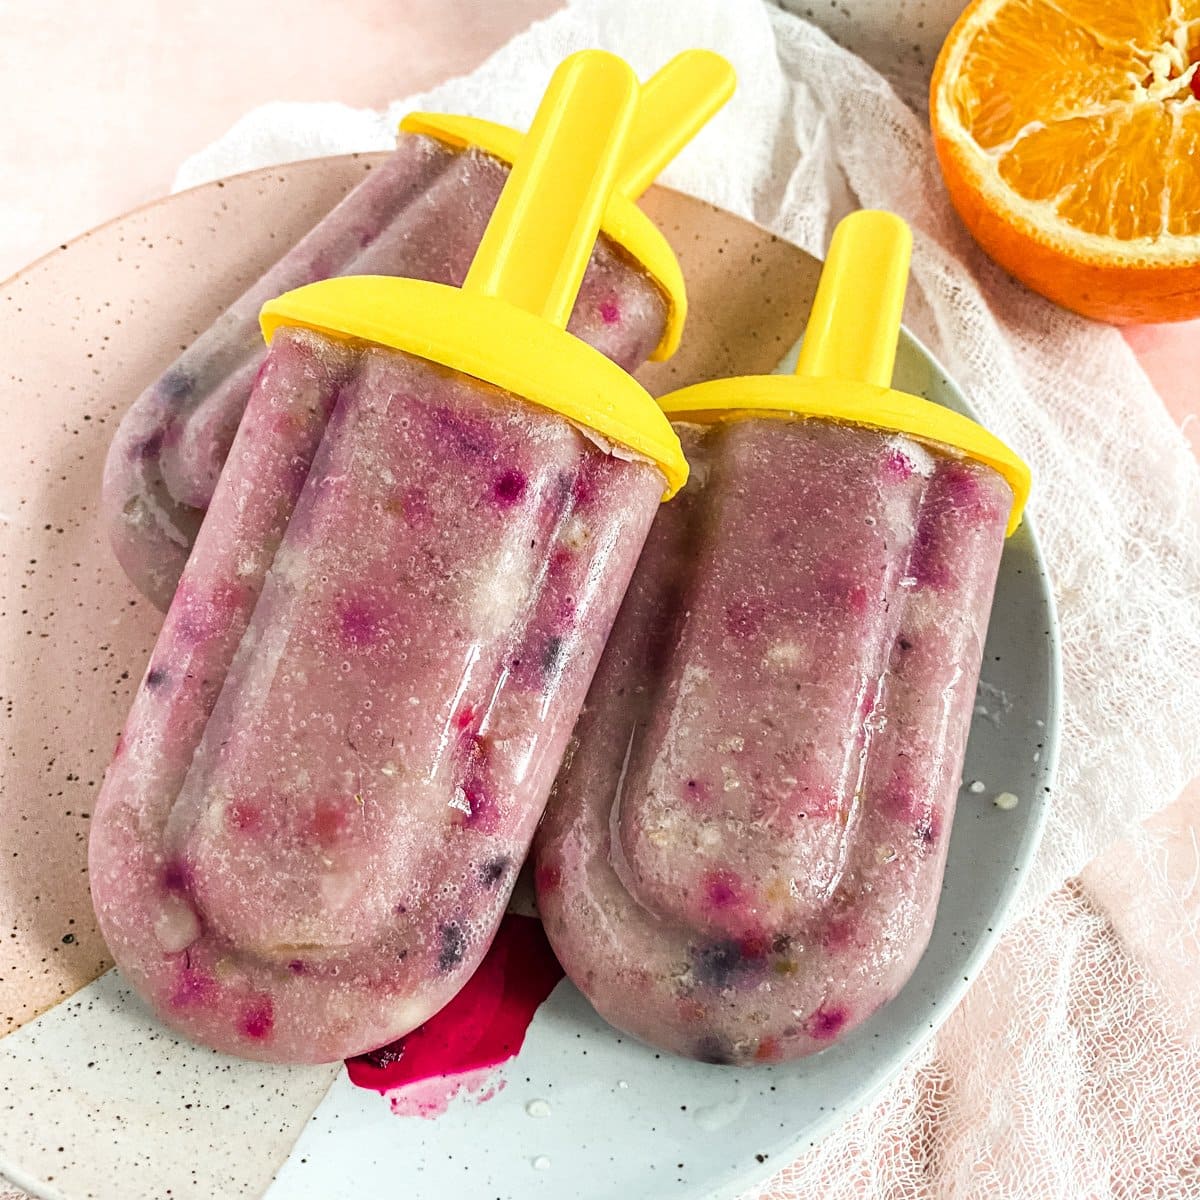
<point>1007,1100</point>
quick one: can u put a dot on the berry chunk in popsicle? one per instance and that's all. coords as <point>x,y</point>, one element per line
<point>420,214</point>
<point>362,691</point>
<point>742,859</point>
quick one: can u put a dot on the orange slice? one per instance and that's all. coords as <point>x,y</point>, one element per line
<point>1068,133</point>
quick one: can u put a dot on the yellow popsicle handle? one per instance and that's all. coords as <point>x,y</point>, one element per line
<point>676,102</point>
<point>538,241</point>
<point>845,368</point>
<point>855,323</point>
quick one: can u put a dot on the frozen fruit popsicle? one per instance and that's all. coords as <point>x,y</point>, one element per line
<point>743,854</point>
<point>421,214</point>
<point>368,674</point>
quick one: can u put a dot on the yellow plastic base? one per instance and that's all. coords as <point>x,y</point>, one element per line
<point>854,403</point>
<point>552,368</point>
<point>847,356</point>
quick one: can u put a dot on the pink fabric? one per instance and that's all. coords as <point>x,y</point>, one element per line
<point>1170,356</point>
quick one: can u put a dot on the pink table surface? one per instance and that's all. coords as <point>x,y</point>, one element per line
<point>112,97</point>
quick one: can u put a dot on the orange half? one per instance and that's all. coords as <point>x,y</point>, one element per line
<point>1068,133</point>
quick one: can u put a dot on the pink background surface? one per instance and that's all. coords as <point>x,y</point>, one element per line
<point>101,103</point>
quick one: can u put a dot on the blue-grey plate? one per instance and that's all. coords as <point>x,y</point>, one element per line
<point>96,1099</point>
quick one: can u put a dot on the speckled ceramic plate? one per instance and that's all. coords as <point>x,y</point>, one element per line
<point>96,1099</point>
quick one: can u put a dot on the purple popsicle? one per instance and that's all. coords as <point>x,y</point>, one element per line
<point>742,857</point>
<point>420,214</point>
<point>367,676</point>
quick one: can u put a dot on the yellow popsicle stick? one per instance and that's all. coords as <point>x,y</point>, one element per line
<point>847,356</point>
<point>539,239</point>
<point>854,325</point>
<point>506,325</point>
<point>677,102</point>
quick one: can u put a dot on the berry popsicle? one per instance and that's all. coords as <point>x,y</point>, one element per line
<point>420,214</point>
<point>364,685</point>
<point>742,858</point>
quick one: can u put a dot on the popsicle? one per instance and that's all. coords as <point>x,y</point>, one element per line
<point>421,213</point>
<point>742,857</point>
<point>353,716</point>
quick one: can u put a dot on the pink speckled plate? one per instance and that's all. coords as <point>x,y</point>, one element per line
<point>96,1099</point>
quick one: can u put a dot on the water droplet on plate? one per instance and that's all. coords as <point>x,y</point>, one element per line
<point>538,1108</point>
<point>712,1117</point>
<point>542,1162</point>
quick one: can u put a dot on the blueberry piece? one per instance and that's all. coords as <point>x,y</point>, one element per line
<point>826,1023</point>
<point>718,964</point>
<point>492,871</point>
<point>714,1049</point>
<point>258,1020</point>
<point>509,488</point>
<point>150,447</point>
<point>564,490</point>
<point>551,654</point>
<point>176,876</point>
<point>176,385</point>
<point>454,946</point>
